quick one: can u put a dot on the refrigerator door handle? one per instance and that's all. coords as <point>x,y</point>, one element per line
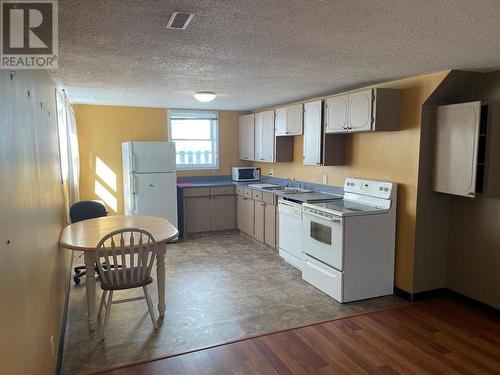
<point>133,184</point>
<point>132,161</point>
<point>132,177</point>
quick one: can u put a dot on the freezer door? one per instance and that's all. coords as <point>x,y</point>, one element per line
<point>152,157</point>
<point>155,194</point>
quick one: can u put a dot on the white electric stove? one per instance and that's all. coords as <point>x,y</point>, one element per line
<point>349,244</point>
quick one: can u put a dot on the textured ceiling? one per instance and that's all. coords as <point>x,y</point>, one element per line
<point>260,53</point>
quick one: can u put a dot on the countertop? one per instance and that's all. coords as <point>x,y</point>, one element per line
<point>197,182</point>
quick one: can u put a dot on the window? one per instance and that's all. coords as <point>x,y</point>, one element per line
<point>195,134</point>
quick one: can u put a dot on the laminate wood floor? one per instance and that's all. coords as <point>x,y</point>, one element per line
<point>437,336</point>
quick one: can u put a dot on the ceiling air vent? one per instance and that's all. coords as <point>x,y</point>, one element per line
<point>179,20</point>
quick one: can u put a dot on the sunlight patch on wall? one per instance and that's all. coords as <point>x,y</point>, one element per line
<point>106,196</point>
<point>105,173</point>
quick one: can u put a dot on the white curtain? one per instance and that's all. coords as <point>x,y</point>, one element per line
<point>74,155</point>
<point>68,148</point>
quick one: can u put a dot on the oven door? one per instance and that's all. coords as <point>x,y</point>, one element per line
<point>322,238</point>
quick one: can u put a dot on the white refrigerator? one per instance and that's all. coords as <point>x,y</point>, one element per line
<point>149,179</point>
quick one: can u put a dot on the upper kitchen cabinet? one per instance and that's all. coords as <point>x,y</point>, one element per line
<point>264,136</point>
<point>288,120</point>
<point>246,134</point>
<point>312,132</point>
<point>363,111</point>
<point>460,145</point>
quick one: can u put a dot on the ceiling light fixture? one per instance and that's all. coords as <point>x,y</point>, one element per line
<point>204,96</point>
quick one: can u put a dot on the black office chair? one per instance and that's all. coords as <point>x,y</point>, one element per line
<point>84,210</point>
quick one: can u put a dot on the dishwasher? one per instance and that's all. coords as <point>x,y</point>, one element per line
<point>290,232</point>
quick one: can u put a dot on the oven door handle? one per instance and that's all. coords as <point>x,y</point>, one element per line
<point>335,220</point>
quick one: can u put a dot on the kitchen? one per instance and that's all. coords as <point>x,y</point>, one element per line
<point>213,206</point>
<point>309,207</point>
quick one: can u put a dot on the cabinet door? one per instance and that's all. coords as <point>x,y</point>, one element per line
<point>223,212</point>
<point>267,136</point>
<point>246,137</point>
<point>294,117</point>
<point>197,214</point>
<point>455,155</point>
<point>312,133</point>
<point>240,212</point>
<point>360,111</point>
<point>259,125</point>
<point>259,220</point>
<point>246,215</point>
<point>270,225</point>
<point>280,122</point>
<point>249,216</point>
<point>336,114</point>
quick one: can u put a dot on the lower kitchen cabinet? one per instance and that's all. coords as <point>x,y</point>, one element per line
<point>245,215</point>
<point>257,215</point>
<point>259,220</point>
<point>223,212</point>
<point>270,224</point>
<point>209,209</point>
<point>197,214</point>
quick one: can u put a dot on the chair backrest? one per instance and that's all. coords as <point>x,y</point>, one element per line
<point>84,210</point>
<point>133,249</point>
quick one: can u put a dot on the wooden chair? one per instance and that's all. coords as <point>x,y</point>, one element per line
<point>135,249</point>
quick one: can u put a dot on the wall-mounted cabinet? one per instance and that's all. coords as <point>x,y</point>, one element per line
<point>313,116</point>
<point>288,120</point>
<point>246,135</point>
<point>363,111</point>
<point>460,148</point>
<point>264,136</point>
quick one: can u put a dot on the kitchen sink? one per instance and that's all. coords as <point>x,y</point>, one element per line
<point>290,189</point>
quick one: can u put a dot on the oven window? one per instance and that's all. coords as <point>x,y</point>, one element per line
<point>321,233</point>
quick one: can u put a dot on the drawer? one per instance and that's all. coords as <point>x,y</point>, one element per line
<point>247,193</point>
<point>257,195</point>
<point>239,190</point>
<point>325,278</point>
<point>222,190</point>
<point>269,198</point>
<point>197,192</point>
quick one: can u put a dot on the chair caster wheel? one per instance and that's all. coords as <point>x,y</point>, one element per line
<point>76,280</point>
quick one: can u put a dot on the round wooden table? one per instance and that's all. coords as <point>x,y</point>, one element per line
<point>84,236</point>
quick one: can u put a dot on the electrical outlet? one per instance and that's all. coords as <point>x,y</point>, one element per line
<point>325,179</point>
<point>271,172</point>
<point>52,345</point>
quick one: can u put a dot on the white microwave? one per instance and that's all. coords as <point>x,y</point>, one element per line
<point>246,174</point>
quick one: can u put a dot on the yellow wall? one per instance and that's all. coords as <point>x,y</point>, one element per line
<point>391,156</point>
<point>102,129</point>
<point>35,271</point>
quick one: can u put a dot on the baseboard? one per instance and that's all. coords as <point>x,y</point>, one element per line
<point>473,302</point>
<point>63,324</point>
<point>413,297</point>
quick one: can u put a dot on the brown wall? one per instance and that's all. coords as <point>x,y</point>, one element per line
<point>474,229</point>
<point>102,129</point>
<point>35,271</point>
<point>391,156</point>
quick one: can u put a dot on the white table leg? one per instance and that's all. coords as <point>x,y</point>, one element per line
<point>160,274</point>
<point>89,257</point>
